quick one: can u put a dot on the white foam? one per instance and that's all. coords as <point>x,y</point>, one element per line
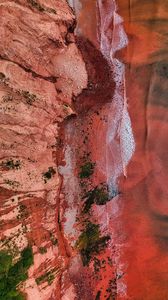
<point>120,125</point>
<point>120,144</point>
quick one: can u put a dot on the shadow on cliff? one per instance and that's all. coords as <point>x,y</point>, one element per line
<point>101,86</point>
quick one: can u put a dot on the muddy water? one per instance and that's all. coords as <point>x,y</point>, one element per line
<point>121,126</point>
<point>145,190</point>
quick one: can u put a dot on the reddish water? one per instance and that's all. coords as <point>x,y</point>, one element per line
<point>129,47</point>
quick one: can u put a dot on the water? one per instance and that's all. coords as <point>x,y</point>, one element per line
<point>114,140</point>
<point>112,39</point>
<point>136,219</point>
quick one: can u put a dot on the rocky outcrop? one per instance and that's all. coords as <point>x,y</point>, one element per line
<point>83,202</point>
<point>41,70</point>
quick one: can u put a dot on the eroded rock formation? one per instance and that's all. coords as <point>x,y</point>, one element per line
<point>83,150</point>
<point>41,69</point>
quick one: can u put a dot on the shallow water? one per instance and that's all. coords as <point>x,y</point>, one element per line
<point>126,137</point>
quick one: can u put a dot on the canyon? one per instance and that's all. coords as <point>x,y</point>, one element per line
<point>83,201</point>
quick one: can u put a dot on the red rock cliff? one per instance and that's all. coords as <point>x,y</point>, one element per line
<point>41,69</point>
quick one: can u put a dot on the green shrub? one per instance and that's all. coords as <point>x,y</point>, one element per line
<point>99,195</point>
<point>86,170</point>
<point>48,276</point>
<point>30,98</point>
<point>40,7</point>
<point>48,175</point>
<point>11,164</point>
<point>27,257</point>
<point>42,250</point>
<point>91,242</point>
<point>54,241</point>
<point>12,274</point>
<point>5,263</point>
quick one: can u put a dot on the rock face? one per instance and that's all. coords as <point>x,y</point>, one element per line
<point>83,150</point>
<point>41,69</point>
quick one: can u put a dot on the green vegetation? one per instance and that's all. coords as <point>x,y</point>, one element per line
<point>53,239</point>
<point>30,98</point>
<point>98,264</point>
<point>91,242</point>
<point>42,250</point>
<point>40,7</point>
<point>99,195</point>
<point>22,207</point>
<point>27,257</point>
<point>50,10</point>
<point>36,5</point>
<point>86,170</point>
<point>5,263</point>
<point>49,277</point>
<point>98,295</point>
<point>12,183</point>
<point>112,288</point>
<point>23,212</point>
<point>2,76</point>
<point>48,175</point>
<point>11,164</point>
<point>7,98</point>
<point>13,274</point>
